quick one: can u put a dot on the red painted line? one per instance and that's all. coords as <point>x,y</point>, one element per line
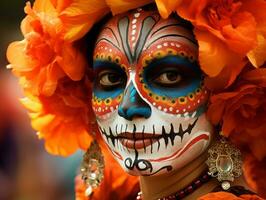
<point>175,155</point>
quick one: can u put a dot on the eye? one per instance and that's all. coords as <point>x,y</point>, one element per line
<point>168,78</point>
<point>110,79</point>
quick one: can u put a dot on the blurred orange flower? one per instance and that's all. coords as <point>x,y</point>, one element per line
<point>228,196</point>
<point>227,31</point>
<point>255,174</point>
<point>117,184</point>
<point>62,119</point>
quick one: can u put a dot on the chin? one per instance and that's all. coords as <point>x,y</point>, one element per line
<point>162,155</point>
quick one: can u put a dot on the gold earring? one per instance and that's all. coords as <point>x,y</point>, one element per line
<point>224,162</point>
<point>92,167</point>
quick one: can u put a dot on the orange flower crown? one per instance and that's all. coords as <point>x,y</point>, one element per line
<point>52,69</point>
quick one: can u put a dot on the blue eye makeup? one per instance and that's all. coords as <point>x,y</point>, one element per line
<point>110,79</point>
<point>172,76</point>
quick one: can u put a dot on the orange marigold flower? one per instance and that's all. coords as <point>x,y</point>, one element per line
<point>228,196</point>
<point>227,32</point>
<point>117,184</point>
<point>242,112</point>
<point>62,119</point>
<point>48,52</point>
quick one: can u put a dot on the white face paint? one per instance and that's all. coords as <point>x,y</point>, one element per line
<point>149,103</point>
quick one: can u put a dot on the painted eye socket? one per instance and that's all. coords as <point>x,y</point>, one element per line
<point>168,78</point>
<point>110,79</point>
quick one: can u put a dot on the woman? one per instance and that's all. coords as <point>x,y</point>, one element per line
<point>152,79</point>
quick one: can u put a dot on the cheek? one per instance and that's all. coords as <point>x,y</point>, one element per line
<point>187,103</point>
<point>102,105</point>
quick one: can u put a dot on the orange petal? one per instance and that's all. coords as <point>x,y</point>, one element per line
<point>45,7</point>
<point>16,55</point>
<point>79,17</point>
<point>257,56</point>
<point>31,105</point>
<point>257,9</point>
<point>257,76</point>
<point>73,62</point>
<point>120,6</point>
<point>166,7</point>
<point>243,37</point>
<point>214,55</point>
<point>42,121</point>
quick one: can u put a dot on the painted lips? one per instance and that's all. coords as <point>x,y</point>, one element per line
<point>137,140</point>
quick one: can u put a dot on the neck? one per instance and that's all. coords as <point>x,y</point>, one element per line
<point>155,187</point>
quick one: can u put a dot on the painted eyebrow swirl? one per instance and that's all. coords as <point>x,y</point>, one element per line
<point>146,28</point>
<point>123,26</point>
<point>167,26</point>
<point>172,35</point>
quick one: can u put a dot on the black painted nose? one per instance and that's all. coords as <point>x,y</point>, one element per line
<point>133,105</point>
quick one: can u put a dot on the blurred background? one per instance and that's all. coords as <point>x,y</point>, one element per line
<point>27,171</point>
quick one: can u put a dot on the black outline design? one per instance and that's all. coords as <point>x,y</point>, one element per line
<point>166,136</point>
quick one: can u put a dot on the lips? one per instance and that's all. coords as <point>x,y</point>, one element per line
<point>141,140</point>
<point>137,140</point>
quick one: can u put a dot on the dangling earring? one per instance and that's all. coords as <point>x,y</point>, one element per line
<point>224,162</point>
<point>92,167</point>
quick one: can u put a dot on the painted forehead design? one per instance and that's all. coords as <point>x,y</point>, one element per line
<point>126,37</point>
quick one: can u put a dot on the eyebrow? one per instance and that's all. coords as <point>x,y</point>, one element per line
<point>103,63</point>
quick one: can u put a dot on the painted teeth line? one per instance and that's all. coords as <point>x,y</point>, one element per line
<point>166,134</point>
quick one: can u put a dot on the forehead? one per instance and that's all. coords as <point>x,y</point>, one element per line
<point>137,34</point>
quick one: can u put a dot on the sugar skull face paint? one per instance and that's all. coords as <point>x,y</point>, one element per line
<point>148,95</point>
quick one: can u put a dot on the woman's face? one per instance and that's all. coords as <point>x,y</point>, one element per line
<point>148,94</point>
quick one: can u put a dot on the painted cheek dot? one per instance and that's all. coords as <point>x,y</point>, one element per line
<point>182,100</point>
<point>117,60</point>
<point>191,96</point>
<point>108,101</point>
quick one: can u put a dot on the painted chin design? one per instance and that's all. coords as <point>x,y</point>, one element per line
<point>155,145</point>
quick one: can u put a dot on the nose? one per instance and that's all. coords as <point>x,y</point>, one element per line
<point>132,105</point>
